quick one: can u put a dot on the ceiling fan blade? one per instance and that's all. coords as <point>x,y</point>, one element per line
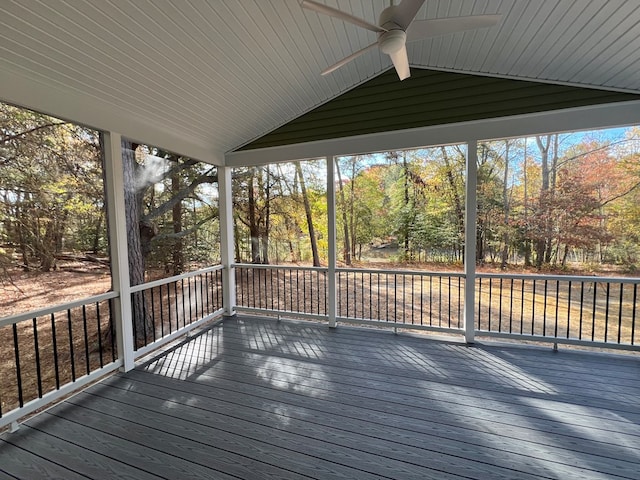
<point>406,12</point>
<point>401,62</point>
<point>346,60</point>
<point>334,12</point>
<point>441,26</point>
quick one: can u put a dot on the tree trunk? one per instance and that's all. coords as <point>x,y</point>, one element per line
<point>548,255</point>
<point>541,236</point>
<point>346,250</point>
<point>505,202</point>
<point>457,201</point>
<point>307,211</point>
<point>527,241</point>
<point>267,219</point>
<point>405,226</point>
<point>97,234</point>
<point>253,222</point>
<point>352,203</point>
<point>176,217</point>
<point>133,213</point>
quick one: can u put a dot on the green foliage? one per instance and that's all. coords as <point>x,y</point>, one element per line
<point>50,187</point>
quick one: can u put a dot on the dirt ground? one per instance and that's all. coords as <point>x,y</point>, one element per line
<point>27,291</point>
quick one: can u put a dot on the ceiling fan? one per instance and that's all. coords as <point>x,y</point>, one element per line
<point>397,26</point>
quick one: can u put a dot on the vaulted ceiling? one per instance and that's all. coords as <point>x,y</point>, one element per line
<point>213,75</point>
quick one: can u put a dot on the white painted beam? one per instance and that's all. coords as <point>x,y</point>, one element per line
<point>114,190</point>
<point>470,217</point>
<point>332,297</point>
<point>227,240</point>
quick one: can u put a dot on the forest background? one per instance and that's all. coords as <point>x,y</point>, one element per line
<point>566,202</point>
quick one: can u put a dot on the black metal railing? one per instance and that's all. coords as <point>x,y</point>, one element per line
<point>282,289</point>
<point>424,299</point>
<point>165,308</point>
<point>53,348</point>
<point>581,309</point>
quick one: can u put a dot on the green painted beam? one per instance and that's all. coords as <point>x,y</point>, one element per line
<point>429,98</point>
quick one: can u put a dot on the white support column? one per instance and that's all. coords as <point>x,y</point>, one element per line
<point>470,217</point>
<point>227,241</point>
<point>332,300</point>
<point>114,190</point>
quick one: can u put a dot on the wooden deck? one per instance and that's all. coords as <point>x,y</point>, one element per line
<point>256,398</point>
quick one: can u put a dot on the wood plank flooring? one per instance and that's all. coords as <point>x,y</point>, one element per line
<point>254,398</point>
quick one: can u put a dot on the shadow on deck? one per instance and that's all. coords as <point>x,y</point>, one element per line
<point>255,398</point>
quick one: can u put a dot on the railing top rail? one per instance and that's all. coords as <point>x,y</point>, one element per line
<point>262,266</point>
<point>164,281</point>
<point>565,278</point>
<point>56,308</point>
<point>402,272</point>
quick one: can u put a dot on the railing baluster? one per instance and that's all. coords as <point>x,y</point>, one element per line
<point>511,307</point>
<point>544,310</point>
<point>190,301</point>
<point>633,313</point>
<point>421,298</point>
<point>595,306</point>
<point>175,301</point>
<point>86,338</point>
<point>16,351</point>
<point>37,357</point>
<point>533,308</point>
<point>460,294</point>
<point>100,352</point>
<point>404,304</point>
<point>439,300</point>
<point>71,352</point>
<point>522,307</point>
<point>265,290</point>
<point>569,308</point>
<point>160,299</point>
<point>413,299</point>
<point>184,308</point>
<point>606,313</point>
<point>198,301</point>
<point>555,329</point>
<point>620,312</point>
<point>371,296</point>
<point>431,300</point>
<point>581,310</point>
<point>54,343</point>
<point>449,300</point>
<point>479,301</point>
<point>395,298</point>
<point>153,314</point>
<point>271,288</point>
<point>290,290</point>
<point>304,291</point>
<point>144,319</point>
<point>112,334</point>
<point>362,293</point>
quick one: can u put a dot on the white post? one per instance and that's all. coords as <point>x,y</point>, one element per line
<point>227,241</point>
<point>470,217</point>
<point>114,192</point>
<point>332,300</point>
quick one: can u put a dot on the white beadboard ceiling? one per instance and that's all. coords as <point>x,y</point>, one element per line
<point>212,75</point>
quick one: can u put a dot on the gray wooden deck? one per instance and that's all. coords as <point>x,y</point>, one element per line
<point>256,398</point>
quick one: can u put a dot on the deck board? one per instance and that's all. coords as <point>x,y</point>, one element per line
<point>257,398</point>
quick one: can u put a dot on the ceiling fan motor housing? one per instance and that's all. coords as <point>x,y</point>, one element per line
<point>394,39</point>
